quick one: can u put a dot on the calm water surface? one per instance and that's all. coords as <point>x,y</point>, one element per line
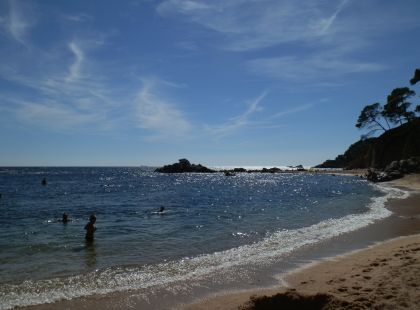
<point>208,219</point>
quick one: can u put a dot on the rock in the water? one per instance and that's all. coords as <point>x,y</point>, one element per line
<point>183,165</point>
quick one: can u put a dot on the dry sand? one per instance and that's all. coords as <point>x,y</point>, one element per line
<point>384,276</point>
<point>410,181</point>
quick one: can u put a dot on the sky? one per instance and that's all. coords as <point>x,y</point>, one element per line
<point>238,82</point>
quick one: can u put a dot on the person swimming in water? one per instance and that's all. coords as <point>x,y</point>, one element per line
<point>161,209</point>
<point>90,228</point>
<point>65,218</point>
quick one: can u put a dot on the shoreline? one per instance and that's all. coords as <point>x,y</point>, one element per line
<point>356,278</point>
<point>369,284</point>
<point>329,248</point>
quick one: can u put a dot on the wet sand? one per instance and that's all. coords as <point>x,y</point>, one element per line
<point>385,275</point>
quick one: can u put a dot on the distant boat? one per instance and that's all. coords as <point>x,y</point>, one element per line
<point>229,173</point>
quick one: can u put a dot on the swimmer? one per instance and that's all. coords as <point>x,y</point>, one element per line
<point>161,209</point>
<point>65,218</point>
<point>90,228</point>
<point>44,181</point>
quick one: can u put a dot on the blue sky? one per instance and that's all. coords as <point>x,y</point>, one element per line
<point>239,82</point>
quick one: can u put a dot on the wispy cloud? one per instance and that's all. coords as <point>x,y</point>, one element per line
<point>58,92</point>
<point>75,67</point>
<point>78,18</point>
<point>250,25</point>
<point>297,109</point>
<point>326,23</point>
<point>308,39</point>
<point>159,115</point>
<point>18,22</point>
<point>182,6</point>
<point>308,68</point>
<point>237,122</point>
<point>54,116</point>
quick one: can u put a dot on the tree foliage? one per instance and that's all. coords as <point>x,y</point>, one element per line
<point>416,77</point>
<point>396,108</point>
<point>395,111</point>
<point>369,118</point>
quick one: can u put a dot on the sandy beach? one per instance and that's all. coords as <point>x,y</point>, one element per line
<point>383,276</point>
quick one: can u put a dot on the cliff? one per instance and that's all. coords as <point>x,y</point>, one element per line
<point>399,143</point>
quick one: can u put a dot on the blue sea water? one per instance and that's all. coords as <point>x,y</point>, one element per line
<point>210,222</point>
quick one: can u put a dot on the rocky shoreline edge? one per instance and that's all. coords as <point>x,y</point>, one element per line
<point>395,170</point>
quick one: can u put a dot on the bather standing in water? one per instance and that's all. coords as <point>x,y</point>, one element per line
<point>65,218</point>
<point>90,228</point>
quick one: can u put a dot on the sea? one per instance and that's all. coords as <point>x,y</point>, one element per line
<point>212,227</point>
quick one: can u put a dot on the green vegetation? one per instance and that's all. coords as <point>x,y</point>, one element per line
<point>396,111</point>
<point>370,118</point>
<point>416,77</point>
<point>400,138</point>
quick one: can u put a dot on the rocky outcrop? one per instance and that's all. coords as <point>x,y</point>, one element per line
<point>395,170</point>
<point>395,144</point>
<point>239,170</point>
<point>353,157</point>
<point>300,168</point>
<point>183,165</point>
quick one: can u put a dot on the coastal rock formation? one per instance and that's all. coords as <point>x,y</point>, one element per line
<point>300,168</point>
<point>399,143</point>
<point>183,165</point>
<point>239,170</point>
<point>353,157</point>
<point>395,170</point>
<point>271,170</point>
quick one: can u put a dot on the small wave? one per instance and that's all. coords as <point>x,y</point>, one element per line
<point>268,250</point>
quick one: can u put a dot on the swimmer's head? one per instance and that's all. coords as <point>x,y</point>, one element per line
<point>92,218</point>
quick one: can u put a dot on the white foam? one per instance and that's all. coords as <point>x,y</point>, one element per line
<point>161,275</point>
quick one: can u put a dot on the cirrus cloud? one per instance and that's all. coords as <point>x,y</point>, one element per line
<point>159,115</point>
